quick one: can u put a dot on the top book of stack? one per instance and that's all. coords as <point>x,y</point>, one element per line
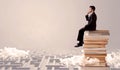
<point>96,35</point>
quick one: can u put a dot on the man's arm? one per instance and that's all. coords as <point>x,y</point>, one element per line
<point>87,18</point>
<point>93,19</point>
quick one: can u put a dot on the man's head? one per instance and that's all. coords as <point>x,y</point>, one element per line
<point>91,8</point>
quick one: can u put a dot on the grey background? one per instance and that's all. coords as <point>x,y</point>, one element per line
<point>52,25</point>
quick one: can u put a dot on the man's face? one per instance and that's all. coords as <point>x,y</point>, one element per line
<point>90,10</point>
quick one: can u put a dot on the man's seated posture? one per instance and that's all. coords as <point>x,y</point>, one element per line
<point>91,26</point>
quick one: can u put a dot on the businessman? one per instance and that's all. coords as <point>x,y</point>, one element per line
<point>91,26</point>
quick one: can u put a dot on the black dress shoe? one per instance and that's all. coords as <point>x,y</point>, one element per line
<point>79,45</point>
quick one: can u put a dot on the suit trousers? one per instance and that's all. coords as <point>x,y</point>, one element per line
<point>81,33</point>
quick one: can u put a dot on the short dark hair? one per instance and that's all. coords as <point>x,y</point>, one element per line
<point>92,7</point>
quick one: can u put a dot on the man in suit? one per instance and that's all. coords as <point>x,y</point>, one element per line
<point>91,18</point>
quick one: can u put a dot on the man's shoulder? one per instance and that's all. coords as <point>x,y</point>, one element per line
<point>93,13</point>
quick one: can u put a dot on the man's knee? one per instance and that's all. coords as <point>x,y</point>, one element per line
<point>82,30</point>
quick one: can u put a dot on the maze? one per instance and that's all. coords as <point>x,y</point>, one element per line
<point>39,62</point>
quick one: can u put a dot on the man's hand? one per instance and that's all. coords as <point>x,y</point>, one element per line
<point>89,12</point>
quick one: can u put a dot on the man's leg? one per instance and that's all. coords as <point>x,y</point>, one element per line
<point>80,37</point>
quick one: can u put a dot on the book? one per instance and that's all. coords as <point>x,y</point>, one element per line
<point>97,64</point>
<point>97,32</point>
<point>95,55</point>
<point>93,49</point>
<point>94,46</point>
<point>94,52</point>
<point>95,42</point>
<point>96,35</point>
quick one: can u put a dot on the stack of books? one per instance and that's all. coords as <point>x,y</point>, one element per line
<point>95,45</point>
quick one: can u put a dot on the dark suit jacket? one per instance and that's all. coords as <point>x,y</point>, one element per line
<point>91,22</point>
